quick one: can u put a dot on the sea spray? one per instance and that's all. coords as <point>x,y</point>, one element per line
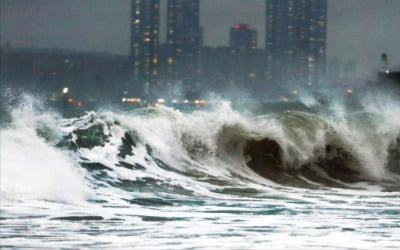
<point>31,166</point>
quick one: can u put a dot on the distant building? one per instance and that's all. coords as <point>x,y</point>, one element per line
<point>243,44</point>
<point>217,72</point>
<point>296,41</point>
<point>90,77</point>
<point>184,39</point>
<point>242,38</point>
<point>387,75</point>
<point>144,47</point>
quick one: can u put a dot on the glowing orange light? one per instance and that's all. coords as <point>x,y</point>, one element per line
<point>70,100</point>
<point>79,104</point>
<point>134,100</point>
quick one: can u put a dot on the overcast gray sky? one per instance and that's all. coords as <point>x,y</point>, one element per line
<point>358,30</point>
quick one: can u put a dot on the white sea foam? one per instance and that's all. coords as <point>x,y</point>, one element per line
<point>32,168</point>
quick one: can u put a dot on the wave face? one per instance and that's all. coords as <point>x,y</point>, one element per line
<point>158,166</point>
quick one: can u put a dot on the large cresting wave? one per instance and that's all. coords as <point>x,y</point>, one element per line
<point>220,151</point>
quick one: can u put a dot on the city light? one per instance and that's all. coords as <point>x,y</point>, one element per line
<point>131,100</point>
<point>202,101</point>
<point>65,90</point>
<point>162,101</point>
<point>134,100</point>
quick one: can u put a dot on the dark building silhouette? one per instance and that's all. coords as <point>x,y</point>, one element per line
<point>90,77</point>
<point>387,81</point>
<point>144,49</point>
<point>217,72</point>
<point>242,38</point>
<point>184,39</point>
<point>296,41</point>
<point>386,74</point>
<point>243,45</point>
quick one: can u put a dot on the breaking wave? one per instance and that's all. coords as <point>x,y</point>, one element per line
<point>162,150</point>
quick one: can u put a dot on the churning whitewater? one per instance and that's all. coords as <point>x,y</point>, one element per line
<point>161,178</point>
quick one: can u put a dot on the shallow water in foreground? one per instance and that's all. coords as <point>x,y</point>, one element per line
<point>161,179</point>
<point>286,218</point>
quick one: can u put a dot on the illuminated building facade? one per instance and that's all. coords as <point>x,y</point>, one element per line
<point>144,49</point>
<point>184,39</point>
<point>296,41</point>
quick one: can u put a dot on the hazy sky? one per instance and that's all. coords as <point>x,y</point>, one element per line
<point>358,30</point>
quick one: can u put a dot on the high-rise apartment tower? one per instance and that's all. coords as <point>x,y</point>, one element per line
<point>184,38</point>
<point>144,47</point>
<point>296,41</point>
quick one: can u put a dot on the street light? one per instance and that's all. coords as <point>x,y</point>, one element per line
<point>65,90</point>
<point>64,98</point>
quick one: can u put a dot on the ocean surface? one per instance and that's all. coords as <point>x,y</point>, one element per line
<point>158,178</point>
